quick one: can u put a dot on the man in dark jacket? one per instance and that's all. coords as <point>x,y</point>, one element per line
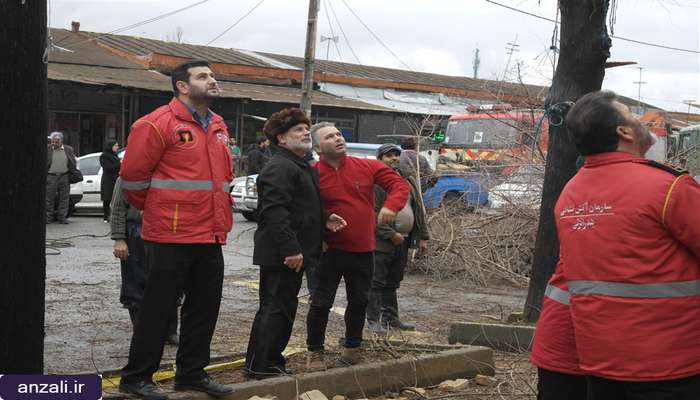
<point>258,156</point>
<point>288,239</point>
<point>60,161</point>
<point>410,230</point>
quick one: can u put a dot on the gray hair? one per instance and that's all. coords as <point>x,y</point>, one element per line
<point>56,135</point>
<point>316,127</point>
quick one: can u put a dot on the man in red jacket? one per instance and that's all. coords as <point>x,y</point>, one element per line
<point>629,234</point>
<point>553,347</point>
<point>347,189</point>
<point>177,170</point>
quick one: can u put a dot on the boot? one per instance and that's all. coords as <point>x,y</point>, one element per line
<point>316,360</point>
<point>390,312</point>
<point>351,356</point>
<point>373,313</point>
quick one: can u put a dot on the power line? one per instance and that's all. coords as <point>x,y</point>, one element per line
<point>376,37</point>
<point>235,23</point>
<point>141,23</point>
<point>345,37</point>
<point>661,46</point>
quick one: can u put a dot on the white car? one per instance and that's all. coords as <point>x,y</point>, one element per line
<point>523,188</point>
<point>89,166</point>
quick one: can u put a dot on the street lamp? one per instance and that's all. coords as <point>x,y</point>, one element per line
<point>328,45</point>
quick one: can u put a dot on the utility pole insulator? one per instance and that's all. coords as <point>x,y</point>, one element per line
<point>307,85</point>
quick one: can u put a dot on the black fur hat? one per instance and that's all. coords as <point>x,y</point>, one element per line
<point>283,120</point>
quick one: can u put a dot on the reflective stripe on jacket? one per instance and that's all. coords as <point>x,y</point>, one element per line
<point>629,232</point>
<point>180,176</point>
<point>554,347</point>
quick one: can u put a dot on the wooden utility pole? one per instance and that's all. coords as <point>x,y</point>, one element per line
<point>307,85</point>
<point>585,46</point>
<point>23,180</point>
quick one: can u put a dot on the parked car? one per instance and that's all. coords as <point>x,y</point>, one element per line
<point>469,189</point>
<point>89,166</point>
<point>523,188</point>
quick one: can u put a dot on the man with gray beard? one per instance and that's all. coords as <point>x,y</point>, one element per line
<point>288,239</point>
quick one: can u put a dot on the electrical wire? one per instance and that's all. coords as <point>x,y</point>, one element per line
<point>345,37</point>
<point>236,23</point>
<point>56,244</point>
<point>376,37</point>
<point>661,46</point>
<point>138,24</point>
<point>337,48</point>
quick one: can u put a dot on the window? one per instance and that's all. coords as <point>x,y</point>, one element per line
<point>482,133</point>
<point>89,165</point>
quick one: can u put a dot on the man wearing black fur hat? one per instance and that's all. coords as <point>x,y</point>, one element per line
<point>288,239</point>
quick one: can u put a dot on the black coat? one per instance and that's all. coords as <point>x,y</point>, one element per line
<point>110,172</point>
<point>291,219</point>
<point>256,161</point>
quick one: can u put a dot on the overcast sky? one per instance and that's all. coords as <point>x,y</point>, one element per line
<point>437,36</point>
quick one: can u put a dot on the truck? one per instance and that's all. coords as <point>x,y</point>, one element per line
<point>482,148</point>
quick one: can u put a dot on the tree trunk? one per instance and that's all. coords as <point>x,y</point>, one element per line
<point>23,180</point>
<point>585,46</point>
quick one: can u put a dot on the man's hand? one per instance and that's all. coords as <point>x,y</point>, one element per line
<point>386,216</point>
<point>335,223</point>
<point>121,249</point>
<point>397,239</point>
<point>294,262</point>
<point>422,247</point>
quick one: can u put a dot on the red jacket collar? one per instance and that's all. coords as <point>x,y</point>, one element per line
<point>326,165</point>
<point>611,158</point>
<point>182,112</point>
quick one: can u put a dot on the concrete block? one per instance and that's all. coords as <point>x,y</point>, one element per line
<point>313,395</point>
<point>498,336</point>
<point>368,380</point>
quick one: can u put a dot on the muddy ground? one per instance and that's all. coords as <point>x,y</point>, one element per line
<point>87,330</point>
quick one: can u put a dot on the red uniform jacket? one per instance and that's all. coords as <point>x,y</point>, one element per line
<point>349,192</point>
<point>553,347</point>
<point>629,231</point>
<point>179,175</point>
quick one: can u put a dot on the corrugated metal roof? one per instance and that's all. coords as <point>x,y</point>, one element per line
<point>422,78</point>
<point>104,76</point>
<point>152,80</point>
<point>143,46</point>
<point>85,53</point>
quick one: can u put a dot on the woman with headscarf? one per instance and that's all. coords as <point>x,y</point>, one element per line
<point>110,172</point>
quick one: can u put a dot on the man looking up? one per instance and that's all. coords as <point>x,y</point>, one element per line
<point>629,235</point>
<point>178,171</point>
<point>288,239</point>
<point>347,189</point>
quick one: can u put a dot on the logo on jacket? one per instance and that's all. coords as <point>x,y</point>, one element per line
<point>185,136</point>
<point>221,136</point>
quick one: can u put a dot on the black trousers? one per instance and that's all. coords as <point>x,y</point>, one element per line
<point>676,389</point>
<point>133,273</point>
<point>389,267</point>
<point>272,326</point>
<point>105,210</point>
<point>356,270</point>
<point>199,270</point>
<point>559,386</point>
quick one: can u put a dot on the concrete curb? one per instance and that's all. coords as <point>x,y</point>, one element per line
<point>498,336</point>
<point>368,379</point>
